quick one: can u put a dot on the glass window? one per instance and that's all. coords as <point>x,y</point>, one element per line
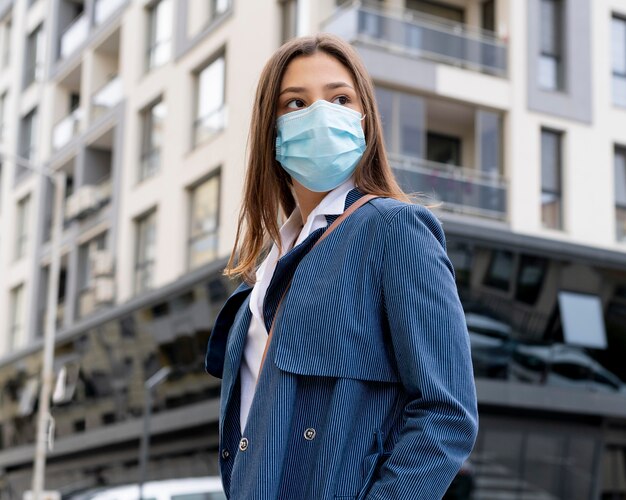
<point>160,33</point>
<point>201,13</point>
<point>289,18</point>
<point>489,128</point>
<point>500,270</point>
<point>437,9</point>
<point>618,52</point>
<point>21,227</point>
<point>411,112</point>
<point>551,40</point>
<point>3,115</point>
<point>5,44</point>
<point>488,15</point>
<point>145,254</point>
<point>28,136</point>
<point>210,107</point>
<point>551,158</point>
<point>384,101</point>
<point>530,278</point>
<point>153,121</point>
<point>204,222</point>
<point>582,319</point>
<point>443,149</point>
<point>16,331</point>
<point>620,193</point>
<point>35,51</point>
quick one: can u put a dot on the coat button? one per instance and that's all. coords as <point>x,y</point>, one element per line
<point>309,434</point>
<point>225,454</point>
<point>243,444</point>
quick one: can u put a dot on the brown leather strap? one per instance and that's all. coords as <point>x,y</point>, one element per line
<point>358,203</point>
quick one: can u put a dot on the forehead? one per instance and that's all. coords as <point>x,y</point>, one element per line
<point>316,69</point>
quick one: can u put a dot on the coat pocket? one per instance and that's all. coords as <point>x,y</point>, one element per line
<point>371,465</point>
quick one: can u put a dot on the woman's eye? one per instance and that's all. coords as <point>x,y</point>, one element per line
<point>299,103</point>
<point>343,99</point>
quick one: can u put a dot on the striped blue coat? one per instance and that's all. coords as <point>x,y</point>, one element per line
<point>367,389</point>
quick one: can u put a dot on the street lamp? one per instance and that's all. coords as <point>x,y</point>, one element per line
<point>144,453</point>
<point>47,374</point>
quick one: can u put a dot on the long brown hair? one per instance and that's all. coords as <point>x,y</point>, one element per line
<point>267,186</point>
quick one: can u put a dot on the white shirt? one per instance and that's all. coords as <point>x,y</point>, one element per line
<point>332,204</point>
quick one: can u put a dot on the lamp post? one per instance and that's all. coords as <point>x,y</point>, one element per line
<point>47,374</point>
<point>144,452</point>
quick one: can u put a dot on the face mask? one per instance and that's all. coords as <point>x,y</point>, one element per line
<point>320,146</point>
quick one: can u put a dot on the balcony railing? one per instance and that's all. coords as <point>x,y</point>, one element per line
<point>105,9</point>
<point>107,97</point>
<point>66,128</point>
<point>74,35</point>
<point>461,189</point>
<point>420,35</point>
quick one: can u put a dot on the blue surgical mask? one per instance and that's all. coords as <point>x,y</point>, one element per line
<point>321,145</point>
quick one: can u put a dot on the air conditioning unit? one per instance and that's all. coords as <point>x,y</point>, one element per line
<point>104,290</point>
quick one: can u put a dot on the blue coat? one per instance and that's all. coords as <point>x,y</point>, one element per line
<point>367,390</point>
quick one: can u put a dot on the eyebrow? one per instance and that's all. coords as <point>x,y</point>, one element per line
<point>333,85</point>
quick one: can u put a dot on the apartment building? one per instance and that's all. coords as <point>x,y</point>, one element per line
<point>510,113</point>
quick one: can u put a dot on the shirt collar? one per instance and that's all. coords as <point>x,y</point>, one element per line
<point>332,204</point>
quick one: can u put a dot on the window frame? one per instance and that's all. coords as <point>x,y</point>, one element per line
<point>558,54</point>
<point>215,175</point>
<point>142,264</point>
<point>616,74</point>
<point>197,138</point>
<point>558,193</point>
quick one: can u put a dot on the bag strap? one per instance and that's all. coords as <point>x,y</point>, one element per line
<point>352,208</point>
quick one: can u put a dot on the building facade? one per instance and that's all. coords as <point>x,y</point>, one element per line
<point>509,115</point>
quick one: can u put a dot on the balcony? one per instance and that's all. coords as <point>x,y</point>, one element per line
<point>420,35</point>
<point>109,95</point>
<point>74,36</point>
<point>88,199</point>
<point>105,9</point>
<point>66,128</point>
<point>461,189</point>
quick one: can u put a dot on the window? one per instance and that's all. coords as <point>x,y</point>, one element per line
<point>500,272</point>
<point>3,116</point>
<point>530,276</point>
<point>35,50</point>
<point>28,136</point>
<point>620,193</point>
<point>618,29</point>
<point>551,166</point>
<point>160,33</point>
<point>443,149</point>
<point>21,227</point>
<point>211,115</point>
<point>437,9</point>
<point>551,45</point>
<point>16,329</point>
<point>289,18</point>
<point>204,222</point>
<point>153,119</point>
<point>201,13</point>
<point>5,44</point>
<point>145,254</point>
<point>488,15</point>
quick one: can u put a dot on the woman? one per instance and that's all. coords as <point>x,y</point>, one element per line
<point>344,355</point>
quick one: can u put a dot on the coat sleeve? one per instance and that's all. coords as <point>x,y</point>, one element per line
<point>431,346</point>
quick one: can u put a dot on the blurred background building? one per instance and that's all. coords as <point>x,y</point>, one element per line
<point>511,112</point>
